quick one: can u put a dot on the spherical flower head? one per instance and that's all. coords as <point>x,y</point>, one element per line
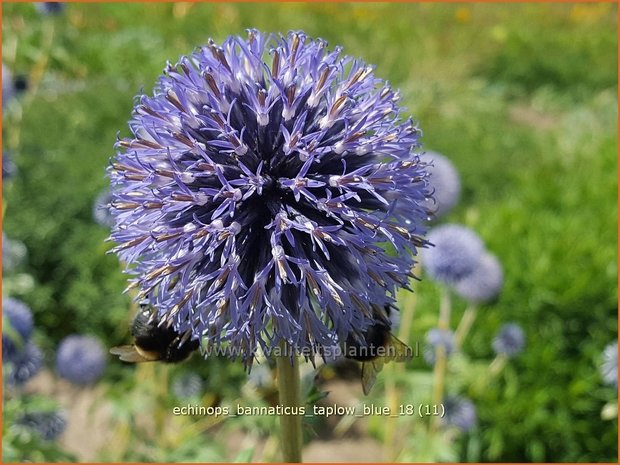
<point>50,8</point>
<point>80,359</point>
<point>25,364</point>
<point>8,89</point>
<point>484,283</point>
<point>101,210</point>
<point>460,412</point>
<point>445,183</point>
<point>48,425</point>
<point>609,366</point>
<point>436,338</point>
<point>17,326</point>
<point>454,254</point>
<point>14,254</point>
<point>510,340</point>
<point>260,187</point>
<point>187,386</point>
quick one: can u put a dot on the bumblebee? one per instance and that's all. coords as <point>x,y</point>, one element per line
<point>375,347</point>
<point>153,342</point>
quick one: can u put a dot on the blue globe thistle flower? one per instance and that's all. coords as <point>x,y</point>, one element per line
<point>9,169</point>
<point>48,425</point>
<point>484,283</point>
<point>456,253</point>
<point>8,89</point>
<point>17,327</point>
<point>101,209</point>
<point>609,366</point>
<point>460,412</point>
<point>436,338</point>
<point>445,182</point>
<point>80,359</point>
<point>510,340</point>
<point>187,386</point>
<point>50,8</point>
<point>259,191</point>
<point>25,364</point>
<point>14,253</point>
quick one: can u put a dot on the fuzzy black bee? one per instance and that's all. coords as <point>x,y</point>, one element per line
<point>154,342</point>
<point>375,347</point>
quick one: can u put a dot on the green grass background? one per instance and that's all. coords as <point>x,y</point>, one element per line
<point>521,97</point>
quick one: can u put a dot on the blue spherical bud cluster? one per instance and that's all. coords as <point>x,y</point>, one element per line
<point>460,413</point>
<point>485,281</point>
<point>459,259</point>
<point>25,364</point>
<point>48,425</point>
<point>455,253</point>
<point>436,338</point>
<point>80,359</point>
<point>510,340</point>
<point>17,327</point>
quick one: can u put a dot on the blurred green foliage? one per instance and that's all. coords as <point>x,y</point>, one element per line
<point>23,444</point>
<point>522,98</point>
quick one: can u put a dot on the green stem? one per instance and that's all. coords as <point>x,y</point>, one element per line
<point>441,362</point>
<point>390,447</point>
<point>465,325</point>
<point>497,365</point>
<point>288,388</point>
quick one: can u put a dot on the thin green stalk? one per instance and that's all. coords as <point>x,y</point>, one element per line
<point>441,362</point>
<point>288,388</point>
<point>465,325</point>
<point>390,447</point>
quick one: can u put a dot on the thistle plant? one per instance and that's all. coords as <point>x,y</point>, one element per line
<point>17,326</point>
<point>509,341</point>
<point>260,192</point>
<point>436,338</point>
<point>25,364</point>
<point>460,413</point>
<point>484,283</point>
<point>80,359</point>
<point>48,425</point>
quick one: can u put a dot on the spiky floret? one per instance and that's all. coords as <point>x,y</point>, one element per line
<point>264,182</point>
